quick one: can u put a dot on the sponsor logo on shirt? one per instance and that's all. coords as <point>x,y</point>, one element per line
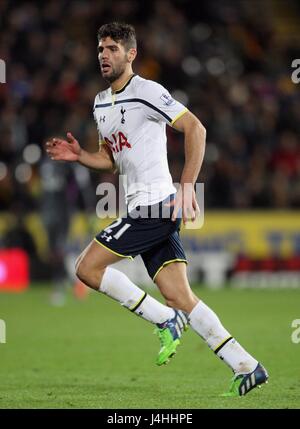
<point>117,142</point>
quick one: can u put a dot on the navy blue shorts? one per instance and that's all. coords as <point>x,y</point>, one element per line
<point>147,231</point>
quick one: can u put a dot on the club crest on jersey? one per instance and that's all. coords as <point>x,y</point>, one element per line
<point>117,142</point>
<point>167,99</point>
<point>123,113</point>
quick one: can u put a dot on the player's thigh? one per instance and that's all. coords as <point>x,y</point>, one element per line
<point>94,259</point>
<point>173,284</point>
<point>81,256</point>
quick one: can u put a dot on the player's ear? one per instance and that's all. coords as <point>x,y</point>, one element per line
<point>131,54</point>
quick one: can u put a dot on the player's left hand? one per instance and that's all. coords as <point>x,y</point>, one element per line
<point>185,200</point>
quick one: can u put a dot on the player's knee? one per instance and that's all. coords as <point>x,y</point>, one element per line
<point>77,262</point>
<point>80,269</point>
<point>88,274</point>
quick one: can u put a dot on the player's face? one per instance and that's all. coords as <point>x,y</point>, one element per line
<point>112,58</point>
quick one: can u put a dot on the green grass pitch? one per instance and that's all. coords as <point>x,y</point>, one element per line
<point>95,354</point>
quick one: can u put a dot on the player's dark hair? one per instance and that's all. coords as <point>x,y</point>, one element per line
<point>120,33</point>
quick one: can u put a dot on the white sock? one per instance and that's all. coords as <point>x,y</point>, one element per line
<point>118,286</point>
<point>207,324</point>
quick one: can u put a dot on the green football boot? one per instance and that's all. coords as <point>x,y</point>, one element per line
<point>243,383</point>
<point>169,334</point>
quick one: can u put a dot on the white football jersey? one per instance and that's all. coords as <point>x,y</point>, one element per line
<point>132,121</point>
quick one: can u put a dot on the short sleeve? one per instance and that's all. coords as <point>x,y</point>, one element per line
<point>158,103</point>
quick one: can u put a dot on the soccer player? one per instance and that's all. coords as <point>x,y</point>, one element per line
<point>131,117</point>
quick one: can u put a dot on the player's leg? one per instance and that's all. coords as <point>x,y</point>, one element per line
<point>170,332</point>
<point>92,268</point>
<point>91,264</point>
<point>176,290</point>
<point>173,283</point>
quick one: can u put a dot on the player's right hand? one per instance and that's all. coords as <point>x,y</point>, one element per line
<point>185,203</point>
<point>63,150</point>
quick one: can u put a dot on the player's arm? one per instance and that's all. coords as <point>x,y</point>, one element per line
<point>70,150</point>
<point>194,147</point>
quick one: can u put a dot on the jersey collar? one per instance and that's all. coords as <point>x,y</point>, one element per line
<point>118,91</point>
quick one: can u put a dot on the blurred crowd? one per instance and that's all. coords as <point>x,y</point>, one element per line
<point>228,61</point>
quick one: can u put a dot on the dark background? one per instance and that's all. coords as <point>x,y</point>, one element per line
<point>228,61</point>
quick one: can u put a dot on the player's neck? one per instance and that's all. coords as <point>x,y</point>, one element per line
<point>121,81</point>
